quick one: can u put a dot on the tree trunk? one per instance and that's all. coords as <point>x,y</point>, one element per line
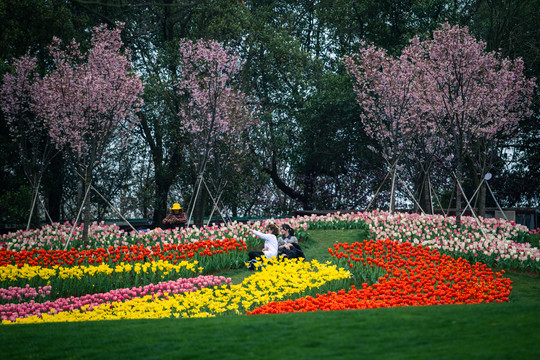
<point>55,187</point>
<point>304,198</point>
<point>200,207</point>
<point>482,201</point>
<point>393,192</point>
<point>307,199</point>
<point>458,194</point>
<point>160,202</point>
<point>423,191</point>
<point>33,218</point>
<point>80,196</point>
<point>86,213</point>
<point>425,199</point>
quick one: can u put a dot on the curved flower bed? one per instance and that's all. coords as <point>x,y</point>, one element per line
<point>230,250</point>
<point>429,260</point>
<point>416,276</point>
<point>495,242</point>
<point>275,281</point>
<point>56,236</point>
<point>11,311</point>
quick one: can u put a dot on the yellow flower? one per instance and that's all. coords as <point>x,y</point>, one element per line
<point>274,282</point>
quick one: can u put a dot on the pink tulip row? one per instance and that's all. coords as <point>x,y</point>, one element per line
<point>56,235</point>
<point>492,237</point>
<point>11,312</point>
<point>24,293</point>
<point>495,238</point>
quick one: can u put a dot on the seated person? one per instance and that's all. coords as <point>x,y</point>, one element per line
<point>288,243</point>
<point>176,219</point>
<point>270,249</point>
<point>287,238</point>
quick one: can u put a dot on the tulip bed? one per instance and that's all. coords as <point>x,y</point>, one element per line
<point>494,242</point>
<point>407,259</point>
<point>17,311</point>
<point>274,281</point>
<point>229,250</point>
<point>59,236</point>
<point>415,275</point>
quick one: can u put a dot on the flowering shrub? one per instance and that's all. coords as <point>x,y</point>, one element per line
<point>415,275</point>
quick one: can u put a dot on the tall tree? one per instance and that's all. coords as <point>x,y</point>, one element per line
<point>456,93</point>
<point>470,96</point>
<point>214,111</point>
<point>88,99</point>
<point>27,27</point>
<point>383,87</point>
<point>27,129</point>
<point>154,33</point>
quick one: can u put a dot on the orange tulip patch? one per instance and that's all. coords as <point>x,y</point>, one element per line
<point>415,276</point>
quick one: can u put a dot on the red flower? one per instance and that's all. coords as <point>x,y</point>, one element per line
<point>415,276</point>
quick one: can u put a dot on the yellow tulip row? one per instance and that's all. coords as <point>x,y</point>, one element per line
<point>11,274</point>
<point>26,272</point>
<point>277,281</point>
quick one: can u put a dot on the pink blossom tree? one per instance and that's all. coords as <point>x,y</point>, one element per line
<point>215,111</point>
<point>383,88</point>
<point>472,98</point>
<point>444,98</point>
<point>27,129</point>
<point>89,99</point>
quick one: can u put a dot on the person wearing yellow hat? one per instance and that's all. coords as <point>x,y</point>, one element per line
<point>176,219</point>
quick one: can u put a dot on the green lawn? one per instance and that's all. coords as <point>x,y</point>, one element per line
<point>485,331</point>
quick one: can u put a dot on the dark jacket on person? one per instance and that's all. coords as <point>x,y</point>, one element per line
<point>175,220</point>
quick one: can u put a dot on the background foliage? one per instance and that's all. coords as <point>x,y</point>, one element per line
<point>309,149</point>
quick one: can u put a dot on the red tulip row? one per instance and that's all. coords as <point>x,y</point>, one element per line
<point>135,253</point>
<point>415,276</point>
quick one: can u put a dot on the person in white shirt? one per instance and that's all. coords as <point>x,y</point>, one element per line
<point>270,248</point>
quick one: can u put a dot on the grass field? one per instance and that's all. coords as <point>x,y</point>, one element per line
<point>485,331</point>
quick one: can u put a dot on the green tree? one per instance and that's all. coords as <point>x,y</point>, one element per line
<point>511,28</point>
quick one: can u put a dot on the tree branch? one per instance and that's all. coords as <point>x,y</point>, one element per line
<point>281,184</point>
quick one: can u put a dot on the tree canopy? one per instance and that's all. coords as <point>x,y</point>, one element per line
<point>316,140</point>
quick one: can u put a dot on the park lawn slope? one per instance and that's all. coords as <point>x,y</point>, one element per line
<point>483,331</point>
